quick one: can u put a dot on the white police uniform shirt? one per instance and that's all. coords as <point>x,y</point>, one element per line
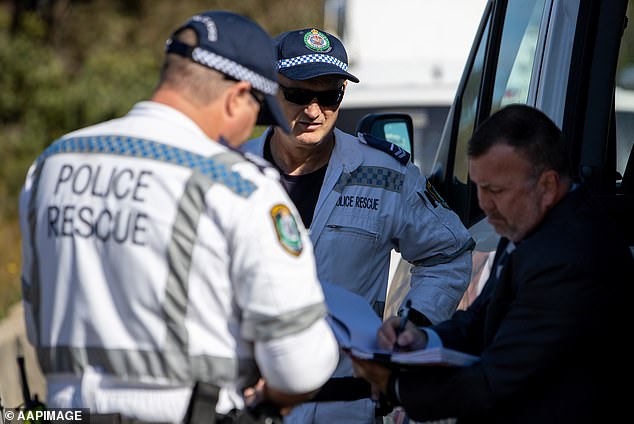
<point>154,257</point>
<point>369,204</point>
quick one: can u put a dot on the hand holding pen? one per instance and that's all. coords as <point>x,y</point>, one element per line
<point>403,323</point>
<point>394,328</point>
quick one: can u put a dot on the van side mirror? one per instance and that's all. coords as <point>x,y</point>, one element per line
<point>397,128</point>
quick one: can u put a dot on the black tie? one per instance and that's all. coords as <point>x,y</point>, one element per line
<point>510,247</point>
<point>500,291</point>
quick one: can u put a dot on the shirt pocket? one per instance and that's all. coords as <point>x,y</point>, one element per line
<point>350,231</point>
<point>346,250</point>
<point>343,226</point>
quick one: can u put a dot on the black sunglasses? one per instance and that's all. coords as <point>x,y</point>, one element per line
<point>303,97</point>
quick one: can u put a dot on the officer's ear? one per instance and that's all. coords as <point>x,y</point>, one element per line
<point>237,97</point>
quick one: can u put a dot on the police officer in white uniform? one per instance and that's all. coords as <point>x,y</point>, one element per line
<point>156,256</point>
<point>361,198</point>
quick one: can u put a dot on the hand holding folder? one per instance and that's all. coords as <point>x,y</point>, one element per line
<point>355,325</point>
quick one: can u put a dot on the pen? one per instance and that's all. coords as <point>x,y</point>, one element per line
<point>403,323</point>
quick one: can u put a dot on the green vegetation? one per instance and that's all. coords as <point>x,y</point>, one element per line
<point>66,64</point>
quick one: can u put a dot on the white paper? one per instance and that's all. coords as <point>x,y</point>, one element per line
<point>355,325</point>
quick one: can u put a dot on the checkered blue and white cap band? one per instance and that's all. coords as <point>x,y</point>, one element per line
<point>235,70</point>
<point>311,58</point>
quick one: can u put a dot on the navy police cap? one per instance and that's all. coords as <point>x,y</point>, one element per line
<point>239,48</point>
<point>308,53</point>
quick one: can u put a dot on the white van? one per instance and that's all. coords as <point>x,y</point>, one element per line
<point>408,55</point>
<point>560,56</point>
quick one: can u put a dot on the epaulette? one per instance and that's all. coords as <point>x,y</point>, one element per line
<point>391,149</point>
<point>258,161</point>
<point>234,156</point>
<point>263,165</point>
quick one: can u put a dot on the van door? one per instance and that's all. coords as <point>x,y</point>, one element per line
<point>559,56</point>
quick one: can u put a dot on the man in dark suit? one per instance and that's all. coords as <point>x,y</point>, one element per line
<point>549,325</point>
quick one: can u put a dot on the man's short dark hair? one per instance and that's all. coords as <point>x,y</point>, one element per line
<point>529,131</point>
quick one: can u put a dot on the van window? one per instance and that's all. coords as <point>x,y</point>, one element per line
<point>512,77</point>
<point>468,110</point>
<point>624,102</point>
<point>513,72</point>
<point>517,52</point>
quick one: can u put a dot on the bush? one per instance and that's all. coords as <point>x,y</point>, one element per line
<point>71,63</point>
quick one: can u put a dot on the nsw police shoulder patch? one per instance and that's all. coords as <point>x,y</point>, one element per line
<point>433,196</point>
<point>286,229</point>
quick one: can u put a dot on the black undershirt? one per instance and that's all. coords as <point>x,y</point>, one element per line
<point>302,189</point>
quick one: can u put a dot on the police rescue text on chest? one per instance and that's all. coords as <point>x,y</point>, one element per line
<point>89,217</point>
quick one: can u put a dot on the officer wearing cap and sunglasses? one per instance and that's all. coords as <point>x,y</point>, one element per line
<point>157,259</point>
<point>359,202</point>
